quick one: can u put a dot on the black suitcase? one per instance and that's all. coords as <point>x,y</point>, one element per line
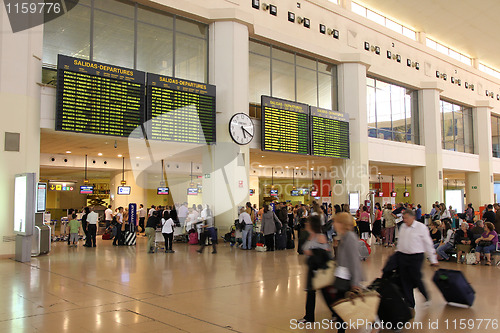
<point>290,244</point>
<point>454,287</point>
<point>392,309</point>
<point>281,240</point>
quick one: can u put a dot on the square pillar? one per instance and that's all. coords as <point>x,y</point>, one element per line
<point>352,100</point>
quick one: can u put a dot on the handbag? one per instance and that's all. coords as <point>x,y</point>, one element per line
<point>358,306</point>
<point>470,257</point>
<point>484,243</point>
<point>323,277</point>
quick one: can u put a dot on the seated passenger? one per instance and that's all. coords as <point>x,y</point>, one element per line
<point>463,241</point>
<point>478,230</point>
<point>486,243</point>
<point>435,233</point>
<point>447,244</point>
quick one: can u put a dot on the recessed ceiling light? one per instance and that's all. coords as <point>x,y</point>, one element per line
<point>296,167</point>
<point>68,152</point>
<point>312,168</point>
<point>120,155</point>
<point>99,154</point>
<point>262,155</point>
<point>260,165</point>
<point>137,157</point>
<point>286,167</point>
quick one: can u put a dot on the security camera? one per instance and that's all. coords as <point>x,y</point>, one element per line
<point>116,145</point>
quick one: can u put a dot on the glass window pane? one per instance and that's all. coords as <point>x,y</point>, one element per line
<point>383,105</point>
<point>155,17</point>
<point>117,7</point>
<point>113,38</point>
<point>283,55</point>
<point>260,77</point>
<point>372,132</point>
<point>409,33</point>
<point>325,91</point>
<point>448,127</point>
<point>459,132</point>
<point>372,120</point>
<point>259,48</point>
<point>495,137</point>
<point>394,26</point>
<point>283,80</point>
<point>430,43</point>
<point>360,10</point>
<point>441,48</point>
<point>305,62</point>
<point>371,15</point>
<point>195,29</point>
<point>155,49</point>
<point>468,132</point>
<point>68,34</point>
<point>398,109</point>
<point>326,68</point>
<point>307,88</point>
<point>190,58</point>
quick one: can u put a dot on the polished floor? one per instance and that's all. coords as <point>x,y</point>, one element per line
<point>124,289</point>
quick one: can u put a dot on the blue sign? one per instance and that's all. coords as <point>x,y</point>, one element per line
<point>132,214</point>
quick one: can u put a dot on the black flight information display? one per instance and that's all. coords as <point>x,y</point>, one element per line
<point>329,133</point>
<point>180,110</point>
<point>285,126</point>
<point>97,98</point>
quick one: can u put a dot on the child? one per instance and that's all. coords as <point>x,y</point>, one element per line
<point>74,227</point>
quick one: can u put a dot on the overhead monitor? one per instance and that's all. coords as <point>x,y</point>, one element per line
<point>192,191</point>
<point>98,98</point>
<point>163,191</point>
<point>329,133</point>
<point>285,126</point>
<point>274,193</point>
<point>180,110</point>
<point>123,190</point>
<point>294,193</point>
<point>41,197</point>
<point>86,189</point>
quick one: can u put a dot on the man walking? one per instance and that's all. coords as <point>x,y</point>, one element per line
<point>92,218</point>
<point>414,240</point>
<point>142,217</point>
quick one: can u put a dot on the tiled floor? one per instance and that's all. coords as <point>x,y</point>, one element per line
<point>124,289</point>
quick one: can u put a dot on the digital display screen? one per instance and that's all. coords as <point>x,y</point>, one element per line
<point>20,203</point>
<point>314,193</point>
<point>274,193</point>
<point>41,197</point>
<point>123,190</point>
<point>163,191</point>
<point>285,126</point>
<point>252,191</point>
<point>192,191</point>
<point>329,133</point>
<point>98,98</point>
<point>86,189</point>
<point>303,191</point>
<point>180,110</point>
<point>294,193</point>
<point>393,194</point>
<point>406,194</point>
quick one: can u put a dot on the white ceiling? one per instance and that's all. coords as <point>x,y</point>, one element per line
<point>469,26</point>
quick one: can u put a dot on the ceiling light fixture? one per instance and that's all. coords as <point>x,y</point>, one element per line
<point>99,154</point>
<point>120,155</point>
<point>68,152</point>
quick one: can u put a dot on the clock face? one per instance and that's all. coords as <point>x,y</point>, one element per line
<point>241,128</point>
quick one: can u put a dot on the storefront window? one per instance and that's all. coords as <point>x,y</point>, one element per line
<point>457,128</point>
<point>130,35</point>
<point>392,112</point>
<point>283,74</point>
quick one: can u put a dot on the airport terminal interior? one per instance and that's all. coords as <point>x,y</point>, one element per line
<point>241,120</point>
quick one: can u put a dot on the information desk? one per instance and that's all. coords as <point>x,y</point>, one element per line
<point>285,126</point>
<point>98,98</point>
<point>329,133</point>
<point>180,110</point>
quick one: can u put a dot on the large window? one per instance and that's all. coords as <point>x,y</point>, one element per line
<point>283,74</point>
<point>495,135</point>
<point>457,129</point>
<point>392,112</point>
<point>131,35</point>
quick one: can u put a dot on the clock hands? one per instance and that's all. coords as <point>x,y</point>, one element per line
<point>244,130</point>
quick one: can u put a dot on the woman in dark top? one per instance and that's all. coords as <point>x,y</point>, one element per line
<point>435,234</point>
<point>377,225</point>
<point>173,215</point>
<point>463,241</point>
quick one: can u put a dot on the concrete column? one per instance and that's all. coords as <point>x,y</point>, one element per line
<point>421,37</point>
<point>352,100</point>
<point>21,70</point>
<point>427,182</point>
<point>226,164</point>
<point>479,185</point>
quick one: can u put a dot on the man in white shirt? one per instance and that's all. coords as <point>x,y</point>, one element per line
<point>142,217</point>
<point>182,213</point>
<point>92,218</point>
<point>151,210</point>
<point>247,231</point>
<point>108,216</point>
<point>414,240</point>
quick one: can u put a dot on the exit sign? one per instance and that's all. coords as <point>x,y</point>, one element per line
<point>207,175</point>
<point>474,187</point>
<point>419,185</point>
<point>338,181</point>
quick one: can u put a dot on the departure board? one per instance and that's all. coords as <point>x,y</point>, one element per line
<point>98,98</point>
<point>285,126</point>
<point>180,110</point>
<point>329,133</point>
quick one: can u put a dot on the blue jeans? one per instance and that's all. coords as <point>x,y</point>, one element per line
<point>247,237</point>
<point>442,250</point>
<point>486,249</point>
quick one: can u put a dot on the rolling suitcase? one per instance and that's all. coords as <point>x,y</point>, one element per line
<point>290,244</point>
<point>364,249</point>
<point>454,287</point>
<point>130,238</point>
<point>392,308</point>
<point>193,238</point>
<point>280,240</point>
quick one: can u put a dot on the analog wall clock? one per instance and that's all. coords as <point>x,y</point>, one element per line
<point>241,128</point>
